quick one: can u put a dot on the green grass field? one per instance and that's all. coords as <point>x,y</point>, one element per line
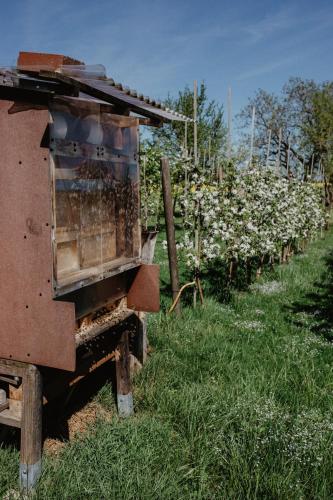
<point>236,401</point>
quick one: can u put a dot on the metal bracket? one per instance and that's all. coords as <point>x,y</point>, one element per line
<point>125,405</point>
<point>29,474</point>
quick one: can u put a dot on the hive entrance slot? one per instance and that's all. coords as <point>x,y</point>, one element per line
<point>91,325</point>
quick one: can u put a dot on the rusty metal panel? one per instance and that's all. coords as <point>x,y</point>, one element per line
<point>144,293</point>
<point>34,327</point>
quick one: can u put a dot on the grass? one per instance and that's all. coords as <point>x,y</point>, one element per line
<point>236,401</point>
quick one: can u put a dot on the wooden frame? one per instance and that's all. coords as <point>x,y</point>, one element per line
<point>27,416</point>
<point>25,411</point>
<point>85,175</point>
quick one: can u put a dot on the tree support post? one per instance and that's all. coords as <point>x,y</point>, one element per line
<point>31,430</point>
<point>170,230</point>
<point>124,387</point>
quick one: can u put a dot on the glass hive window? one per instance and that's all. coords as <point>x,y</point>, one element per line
<point>96,193</point>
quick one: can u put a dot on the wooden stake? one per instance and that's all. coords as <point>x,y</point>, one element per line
<point>288,157</point>
<point>229,149</point>
<point>198,284</point>
<point>303,166</point>
<point>31,430</point>
<point>170,230</point>
<point>268,147</point>
<point>231,267</point>
<point>141,339</point>
<point>145,193</point>
<point>185,140</point>
<point>279,152</point>
<point>248,271</point>
<point>124,389</point>
<point>196,244</point>
<point>186,189</point>
<point>252,135</point>
<point>195,119</point>
<point>312,162</point>
<point>259,269</point>
<point>220,172</point>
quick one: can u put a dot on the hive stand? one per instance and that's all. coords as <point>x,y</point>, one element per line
<point>26,414</point>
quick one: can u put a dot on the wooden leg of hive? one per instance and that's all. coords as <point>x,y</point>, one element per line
<point>124,389</point>
<point>31,430</point>
<point>141,343</point>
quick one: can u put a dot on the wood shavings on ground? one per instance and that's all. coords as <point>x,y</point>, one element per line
<point>78,423</point>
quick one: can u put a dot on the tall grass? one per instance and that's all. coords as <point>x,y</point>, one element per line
<point>236,401</point>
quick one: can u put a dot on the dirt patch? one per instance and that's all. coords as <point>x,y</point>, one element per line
<point>77,424</point>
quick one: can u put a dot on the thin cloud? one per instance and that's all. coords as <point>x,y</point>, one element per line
<point>267,68</point>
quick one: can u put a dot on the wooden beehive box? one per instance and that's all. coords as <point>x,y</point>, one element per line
<point>70,211</point>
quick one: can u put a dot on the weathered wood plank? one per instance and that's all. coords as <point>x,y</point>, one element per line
<point>13,415</point>
<point>141,340</point>
<point>10,367</point>
<point>31,429</point>
<point>124,389</point>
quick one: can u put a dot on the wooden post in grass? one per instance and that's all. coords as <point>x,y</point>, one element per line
<point>259,269</point>
<point>145,193</point>
<point>252,135</point>
<point>31,430</point>
<point>170,230</point>
<point>268,147</point>
<point>279,153</point>
<point>303,166</point>
<point>123,376</point>
<point>220,173</point>
<point>288,157</point>
<point>141,340</point>
<point>248,271</point>
<point>312,163</point>
<point>186,188</point>
<point>229,145</point>
<point>212,168</point>
<point>195,124</point>
<point>185,140</point>
<point>197,251</point>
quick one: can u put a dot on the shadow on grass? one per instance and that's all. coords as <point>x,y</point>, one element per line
<point>318,306</point>
<point>220,283</point>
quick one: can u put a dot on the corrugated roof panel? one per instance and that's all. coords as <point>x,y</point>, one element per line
<point>90,80</point>
<point>112,93</point>
<point>116,93</point>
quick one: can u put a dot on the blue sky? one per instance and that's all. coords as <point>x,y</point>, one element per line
<point>158,46</point>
